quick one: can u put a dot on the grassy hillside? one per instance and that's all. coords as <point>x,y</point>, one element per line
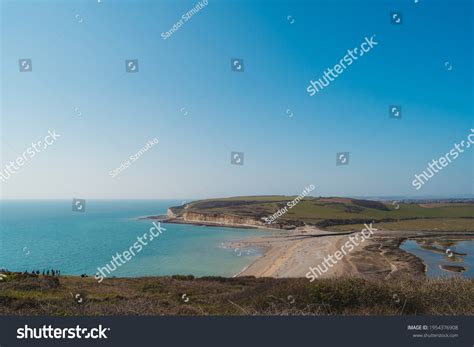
<point>332,211</point>
<point>435,224</point>
<point>184,295</point>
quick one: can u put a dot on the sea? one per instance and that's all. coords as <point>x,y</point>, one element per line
<point>52,234</point>
<point>49,234</point>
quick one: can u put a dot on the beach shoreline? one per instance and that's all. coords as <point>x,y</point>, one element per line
<point>288,254</point>
<point>301,243</point>
<point>292,255</point>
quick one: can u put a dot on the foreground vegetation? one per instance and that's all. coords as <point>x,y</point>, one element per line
<point>184,295</point>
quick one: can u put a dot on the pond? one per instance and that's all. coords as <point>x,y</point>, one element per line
<point>443,256</point>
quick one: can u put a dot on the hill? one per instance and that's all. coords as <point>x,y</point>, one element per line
<point>325,212</point>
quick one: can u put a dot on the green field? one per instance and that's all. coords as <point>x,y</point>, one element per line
<point>435,224</point>
<point>325,212</point>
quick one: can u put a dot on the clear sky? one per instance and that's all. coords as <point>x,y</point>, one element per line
<point>78,86</point>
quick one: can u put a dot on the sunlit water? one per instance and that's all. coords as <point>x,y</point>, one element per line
<point>37,235</point>
<point>437,253</point>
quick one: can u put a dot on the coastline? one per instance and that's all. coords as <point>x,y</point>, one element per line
<point>291,252</point>
<point>379,257</point>
<point>166,219</point>
<point>293,255</point>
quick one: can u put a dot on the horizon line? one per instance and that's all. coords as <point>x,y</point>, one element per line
<point>388,197</point>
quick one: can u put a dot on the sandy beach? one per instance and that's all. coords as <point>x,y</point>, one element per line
<point>298,246</point>
<point>291,253</point>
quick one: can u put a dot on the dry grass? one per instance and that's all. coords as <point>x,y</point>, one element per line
<point>21,295</point>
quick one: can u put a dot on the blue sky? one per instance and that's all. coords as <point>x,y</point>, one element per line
<point>78,50</point>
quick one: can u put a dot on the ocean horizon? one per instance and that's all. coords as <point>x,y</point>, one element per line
<point>48,234</point>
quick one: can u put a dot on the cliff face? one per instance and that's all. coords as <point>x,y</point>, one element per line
<point>171,213</point>
<point>183,214</point>
<point>221,219</point>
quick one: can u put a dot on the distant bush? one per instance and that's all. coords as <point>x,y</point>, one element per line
<point>331,222</point>
<point>353,209</point>
<point>377,205</point>
<point>183,277</point>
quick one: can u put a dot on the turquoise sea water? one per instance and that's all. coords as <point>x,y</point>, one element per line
<point>48,234</point>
